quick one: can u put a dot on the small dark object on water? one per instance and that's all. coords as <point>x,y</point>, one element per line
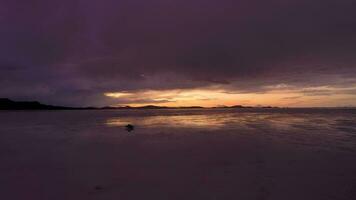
<point>98,187</point>
<point>129,127</point>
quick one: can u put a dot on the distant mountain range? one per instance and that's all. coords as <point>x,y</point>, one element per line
<point>149,107</point>
<point>7,104</point>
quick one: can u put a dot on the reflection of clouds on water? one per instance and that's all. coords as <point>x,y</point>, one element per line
<point>282,122</point>
<point>176,121</point>
<point>311,129</point>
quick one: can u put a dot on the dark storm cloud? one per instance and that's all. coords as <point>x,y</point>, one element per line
<point>72,51</point>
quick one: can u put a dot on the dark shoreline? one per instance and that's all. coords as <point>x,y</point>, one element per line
<point>7,104</point>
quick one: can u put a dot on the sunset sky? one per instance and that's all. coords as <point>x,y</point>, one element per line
<point>295,53</point>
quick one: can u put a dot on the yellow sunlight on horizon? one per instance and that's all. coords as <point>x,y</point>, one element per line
<point>276,96</point>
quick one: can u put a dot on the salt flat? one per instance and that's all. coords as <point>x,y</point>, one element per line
<point>178,154</point>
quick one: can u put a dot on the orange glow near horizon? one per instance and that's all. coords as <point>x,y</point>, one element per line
<point>276,96</point>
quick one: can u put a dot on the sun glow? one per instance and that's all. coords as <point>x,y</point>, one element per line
<point>117,94</point>
<point>211,97</point>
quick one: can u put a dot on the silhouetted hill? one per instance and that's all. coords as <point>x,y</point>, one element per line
<point>149,107</point>
<point>152,107</point>
<point>236,106</point>
<point>7,104</point>
<point>240,106</point>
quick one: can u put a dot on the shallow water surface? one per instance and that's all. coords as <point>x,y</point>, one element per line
<point>178,154</point>
<point>337,126</point>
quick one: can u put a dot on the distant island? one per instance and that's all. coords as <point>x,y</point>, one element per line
<point>8,104</point>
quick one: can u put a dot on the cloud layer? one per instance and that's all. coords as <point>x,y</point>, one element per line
<point>73,51</point>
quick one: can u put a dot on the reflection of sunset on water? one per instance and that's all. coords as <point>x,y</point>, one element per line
<point>234,120</point>
<point>181,121</point>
